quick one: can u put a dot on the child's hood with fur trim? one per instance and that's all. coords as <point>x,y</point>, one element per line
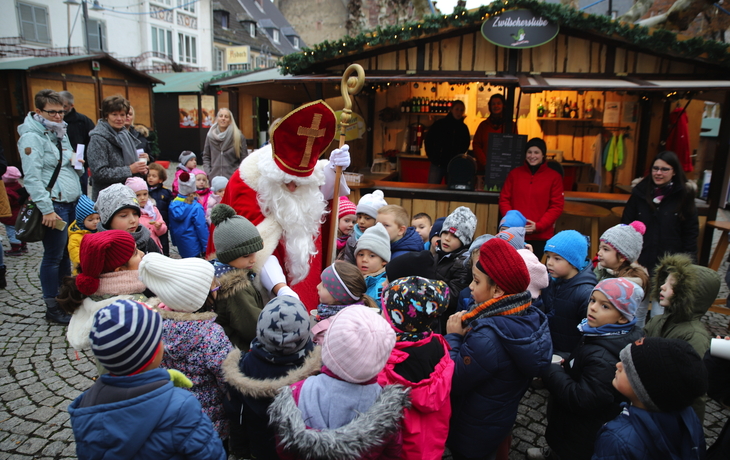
<point>366,432</point>
<point>695,287</point>
<point>268,388</point>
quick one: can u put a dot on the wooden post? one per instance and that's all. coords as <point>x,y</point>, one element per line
<point>348,86</point>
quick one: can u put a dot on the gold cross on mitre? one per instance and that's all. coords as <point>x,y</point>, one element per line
<point>312,133</point>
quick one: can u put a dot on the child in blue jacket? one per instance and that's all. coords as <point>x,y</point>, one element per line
<point>661,378</point>
<point>135,411</point>
<point>188,228</point>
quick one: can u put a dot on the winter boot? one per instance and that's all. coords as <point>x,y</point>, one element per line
<point>3,282</point>
<point>54,312</point>
<point>24,247</point>
<point>15,250</point>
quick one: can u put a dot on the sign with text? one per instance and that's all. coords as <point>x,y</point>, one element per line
<point>519,29</point>
<point>505,152</point>
<point>237,55</point>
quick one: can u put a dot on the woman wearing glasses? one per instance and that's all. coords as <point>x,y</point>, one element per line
<point>112,151</point>
<point>43,142</point>
<point>664,202</point>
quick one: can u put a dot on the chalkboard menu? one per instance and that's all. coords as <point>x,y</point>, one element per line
<point>505,152</point>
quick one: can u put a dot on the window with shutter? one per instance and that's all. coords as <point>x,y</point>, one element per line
<point>33,23</point>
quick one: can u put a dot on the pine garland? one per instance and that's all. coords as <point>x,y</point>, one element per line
<point>657,40</point>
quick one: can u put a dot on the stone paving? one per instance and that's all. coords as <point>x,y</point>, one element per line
<point>40,374</point>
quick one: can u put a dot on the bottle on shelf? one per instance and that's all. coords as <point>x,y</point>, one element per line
<point>574,110</point>
<point>589,110</point>
<point>566,108</point>
<point>540,109</point>
<point>553,112</point>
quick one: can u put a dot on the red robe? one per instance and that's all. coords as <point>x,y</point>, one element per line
<point>244,200</point>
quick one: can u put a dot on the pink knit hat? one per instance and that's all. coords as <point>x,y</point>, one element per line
<point>538,272</point>
<point>137,184</point>
<point>357,344</point>
<point>345,208</point>
<point>12,174</point>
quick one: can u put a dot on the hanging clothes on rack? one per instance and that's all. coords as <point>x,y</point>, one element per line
<point>678,138</point>
<point>608,153</point>
<point>597,148</point>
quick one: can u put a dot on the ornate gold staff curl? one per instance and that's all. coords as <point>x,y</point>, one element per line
<point>350,85</point>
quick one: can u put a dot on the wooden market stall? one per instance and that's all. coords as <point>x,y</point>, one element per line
<point>630,77</point>
<point>90,78</point>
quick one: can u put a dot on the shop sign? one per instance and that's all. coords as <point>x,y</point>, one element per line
<point>519,29</point>
<point>237,55</point>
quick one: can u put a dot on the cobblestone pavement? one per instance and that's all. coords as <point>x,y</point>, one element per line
<point>40,374</point>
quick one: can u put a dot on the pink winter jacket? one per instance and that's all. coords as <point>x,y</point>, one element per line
<point>155,233</point>
<point>426,423</point>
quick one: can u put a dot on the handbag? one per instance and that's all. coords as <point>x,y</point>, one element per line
<point>29,226</point>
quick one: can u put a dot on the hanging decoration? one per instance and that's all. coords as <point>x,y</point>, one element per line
<point>658,40</point>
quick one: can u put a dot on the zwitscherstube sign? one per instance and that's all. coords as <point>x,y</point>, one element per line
<point>519,29</point>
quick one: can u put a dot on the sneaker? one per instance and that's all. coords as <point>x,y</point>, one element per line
<point>15,250</point>
<point>24,247</point>
<point>538,453</point>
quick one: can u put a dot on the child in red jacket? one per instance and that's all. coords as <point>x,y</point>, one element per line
<point>17,196</point>
<point>420,361</point>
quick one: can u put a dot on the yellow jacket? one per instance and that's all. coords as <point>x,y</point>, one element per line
<point>75,234</point>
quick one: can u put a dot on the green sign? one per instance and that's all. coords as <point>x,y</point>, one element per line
<point>519,29</point>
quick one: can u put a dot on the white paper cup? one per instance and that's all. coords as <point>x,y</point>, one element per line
<point>720,348</point>
<point>557,359</point>
<point>142,160</point>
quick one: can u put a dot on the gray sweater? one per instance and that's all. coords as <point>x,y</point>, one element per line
<point>105,157</point>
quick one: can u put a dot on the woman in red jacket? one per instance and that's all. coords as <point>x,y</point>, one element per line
<point>537,192</point>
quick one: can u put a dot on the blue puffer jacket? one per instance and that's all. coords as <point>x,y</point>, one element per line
<point>565,302</point>
<point>188,228</point>
<point>164,423</point>
<point>637,434</point>
<point>411,242</point>
<point>494,364</point>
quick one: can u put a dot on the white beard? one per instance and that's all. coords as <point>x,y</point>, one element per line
<point>300,214</point>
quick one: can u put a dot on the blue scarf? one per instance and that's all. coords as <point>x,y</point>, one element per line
<point>606,329</point>
<point>358,232</point>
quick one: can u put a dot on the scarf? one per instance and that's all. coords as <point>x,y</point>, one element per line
<point>123,282</point>
<point>59,129</point>
<point>149,209</point>
<point>222,141</point>
<point>325,311</point>
<point>357,232</point>
<point>141,238</point>
<point>127,143</point>
<point>512,304</point>
<point>659,193</point>
<point>606,329</point>
<point>342,241</point>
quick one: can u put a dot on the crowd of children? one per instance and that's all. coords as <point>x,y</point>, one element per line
<point>426,337</point>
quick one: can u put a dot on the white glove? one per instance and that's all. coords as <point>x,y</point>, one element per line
<point>340,157</point>
<point>272,274</point>
<point>286,290</point>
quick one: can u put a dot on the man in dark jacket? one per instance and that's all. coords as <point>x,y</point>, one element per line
<point>79,126</point>
<point>445,139</point>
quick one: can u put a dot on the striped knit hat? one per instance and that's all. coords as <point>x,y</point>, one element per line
<point>357,344</point>
<point>125,336</point>
<point>345,208</point>
<point>100,253</point>
<point>181,284</point>
<point>84,208</point>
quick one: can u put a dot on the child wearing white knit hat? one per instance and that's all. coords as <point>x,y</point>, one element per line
<point>307,415</point>
<point>194,343</point>
<point>367,213</point>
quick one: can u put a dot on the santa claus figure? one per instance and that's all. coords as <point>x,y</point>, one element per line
<point>285,191</point>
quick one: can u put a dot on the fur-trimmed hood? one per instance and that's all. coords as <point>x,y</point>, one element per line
<point>184,316</point>
<point>368,431</point>
<point>695,287</point>
<point>234,281</point>
<point>268,388</point>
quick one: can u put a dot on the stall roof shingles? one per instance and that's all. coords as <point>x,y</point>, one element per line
<point>43,62</point>
<point>272,13</point>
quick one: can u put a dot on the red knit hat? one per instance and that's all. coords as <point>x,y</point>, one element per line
<point>102,252</point>
<point>501,262</point>
<point>346,208</point>
<point>302,136</point>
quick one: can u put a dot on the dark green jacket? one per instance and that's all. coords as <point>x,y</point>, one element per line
<point>238,306</point>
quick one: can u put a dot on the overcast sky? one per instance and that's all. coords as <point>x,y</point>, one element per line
<point>447,6</point>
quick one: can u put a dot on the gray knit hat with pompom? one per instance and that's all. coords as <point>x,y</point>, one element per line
<point>234,236</point>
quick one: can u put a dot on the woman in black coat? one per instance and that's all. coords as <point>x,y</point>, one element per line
<point>664,202</point>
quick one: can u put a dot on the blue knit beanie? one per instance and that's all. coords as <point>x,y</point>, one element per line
<point>571,246</point>
<point>84,208</point>
<point>513,218</point>
<point>436,228</point>
<point>125,336</point>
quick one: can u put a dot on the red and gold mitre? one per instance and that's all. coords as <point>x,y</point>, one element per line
<point>302,136</point>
